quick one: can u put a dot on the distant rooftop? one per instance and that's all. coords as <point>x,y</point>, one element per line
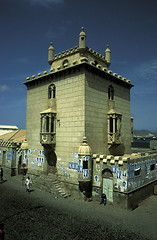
<point>7,128</point>
<point>14,136</point>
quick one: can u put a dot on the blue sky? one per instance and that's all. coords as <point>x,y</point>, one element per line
<point>127,26</point>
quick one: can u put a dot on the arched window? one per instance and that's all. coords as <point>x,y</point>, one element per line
<point>47,123</point>
<point>51,91</point>
<point>65,63</point>
<point>95,63</point>
<point>107,173</point>
<point>110,92</point>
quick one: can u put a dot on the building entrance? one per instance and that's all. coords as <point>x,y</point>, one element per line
<point>51,162</point>
<point>108,184</point>
<point>4,157</point>
<point>51,158</point>
<point>19,164</point>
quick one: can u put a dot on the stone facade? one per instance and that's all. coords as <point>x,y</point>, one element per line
<point>80,97</point>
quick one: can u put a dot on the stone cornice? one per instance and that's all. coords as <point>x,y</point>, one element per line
<point>76,66</point>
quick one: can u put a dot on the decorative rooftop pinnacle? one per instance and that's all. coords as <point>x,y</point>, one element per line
<point>84,148</point>
<point>82,32</point>
<point>107,48</point>
<point>51,45</point>
<point>108,55</point>
<point>82,39</point>
<point>50,54</point>
<point>84,142</point>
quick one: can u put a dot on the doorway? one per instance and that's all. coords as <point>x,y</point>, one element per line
<point>19,164</point>
<point>4,158</point>
<point>51,163</point>
<point>51,158</point>
<point>107,183</point>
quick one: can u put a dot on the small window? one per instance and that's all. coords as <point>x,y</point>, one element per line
<point>95,63</point>
<point>110,93</point>
<point>114,127</point>
<point>115,123</point>
<point>65,63</point>
<point>137,171</point>
<point>111,125</point>
<point>41,152</point>
<point>51,91</point>
<point>52,124</point>
<point>85,164</point>
<point>48,123</point>
<point>152,167</point>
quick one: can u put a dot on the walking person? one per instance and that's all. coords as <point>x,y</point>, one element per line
<point>27,183</point>
<point>1,173</point>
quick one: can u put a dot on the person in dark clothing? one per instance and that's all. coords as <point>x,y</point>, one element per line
<point>1,173</point>
<point>1,231</point>
<point>103,199</point>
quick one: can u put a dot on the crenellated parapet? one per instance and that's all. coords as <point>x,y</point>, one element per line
<point>125,159</point>
<point>65,65</point>
<point>110,159</point>
<point>74,57</point>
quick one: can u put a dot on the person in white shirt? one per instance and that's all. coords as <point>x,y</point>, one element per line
<point>27,183</point>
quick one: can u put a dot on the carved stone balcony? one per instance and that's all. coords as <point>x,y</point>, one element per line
<point>114,138</point>
<point>47,138</point>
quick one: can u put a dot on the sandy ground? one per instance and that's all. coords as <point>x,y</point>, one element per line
<point>70,219</point>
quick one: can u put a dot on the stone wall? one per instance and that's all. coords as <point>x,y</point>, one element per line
<point>134,177</point>
<point>96,113</point>
<point>71,115</point>
<point>69,123</point>
<point>97,106</point>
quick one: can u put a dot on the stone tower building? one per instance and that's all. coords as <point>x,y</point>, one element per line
<point>79,97</point>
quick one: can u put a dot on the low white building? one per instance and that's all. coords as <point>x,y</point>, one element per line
<point>13,150</point>
<point>7,128</point>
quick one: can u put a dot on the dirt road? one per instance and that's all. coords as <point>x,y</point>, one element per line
<point>40,215</point>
